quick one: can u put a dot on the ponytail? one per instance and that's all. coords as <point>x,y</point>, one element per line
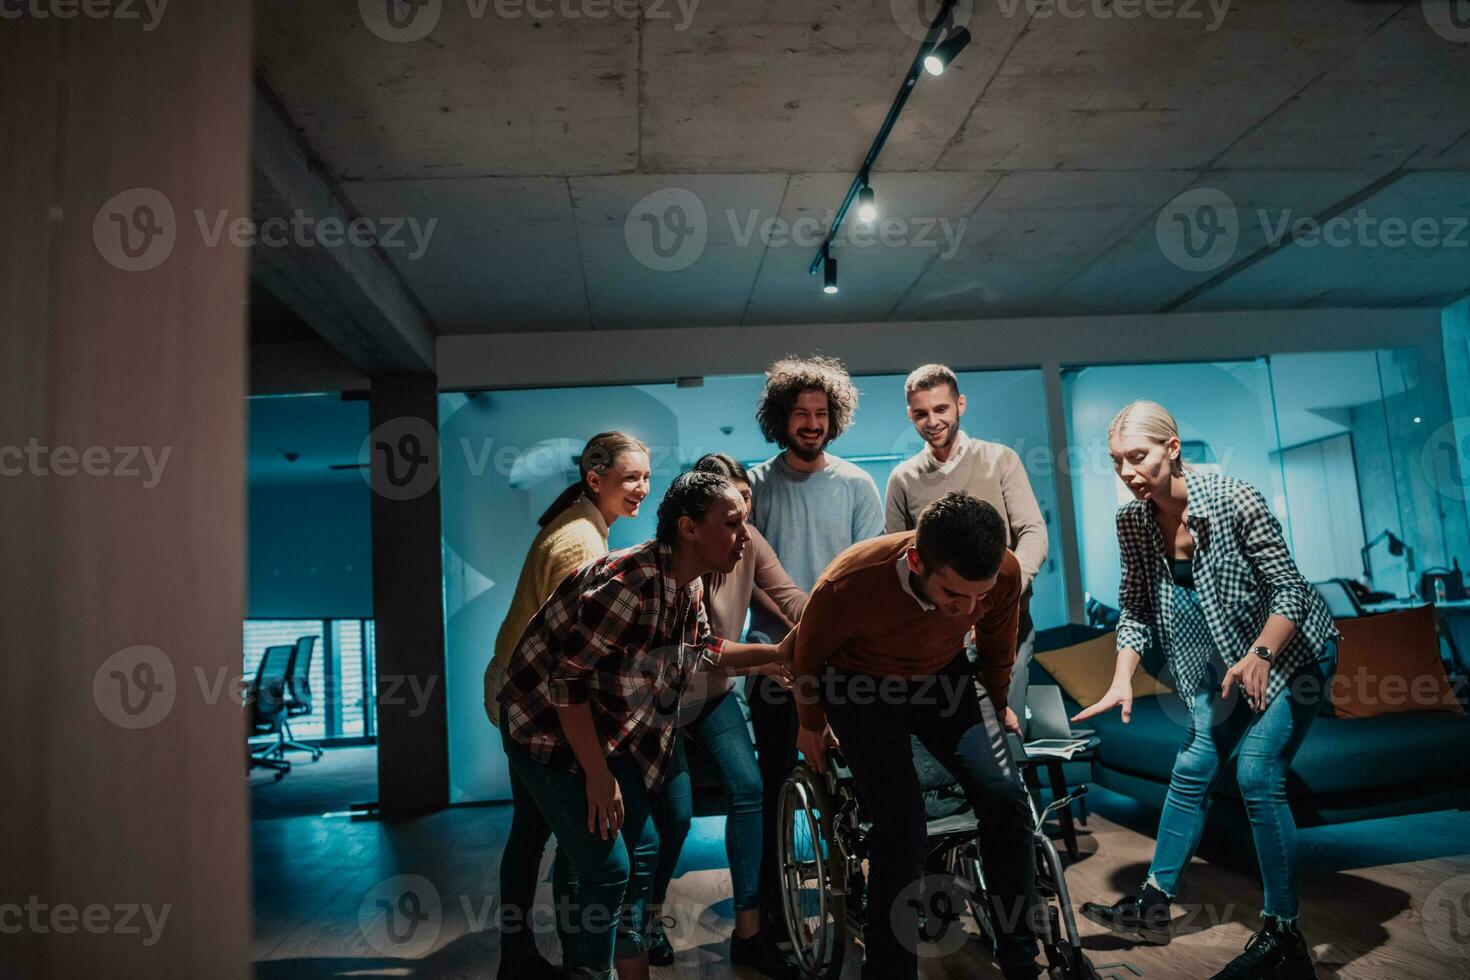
<point>598,456</point>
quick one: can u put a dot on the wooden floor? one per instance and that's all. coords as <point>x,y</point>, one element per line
<point>1364,888</point>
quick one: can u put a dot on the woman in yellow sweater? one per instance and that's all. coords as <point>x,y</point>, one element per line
<point>614,480</point>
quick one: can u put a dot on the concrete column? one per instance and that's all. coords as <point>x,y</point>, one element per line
<point>408,595</point>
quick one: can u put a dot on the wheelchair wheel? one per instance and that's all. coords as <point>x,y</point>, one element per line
<point>963,861</point>
<point>813,869</point>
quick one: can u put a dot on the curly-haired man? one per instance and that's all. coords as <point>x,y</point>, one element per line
<point>811,506</point>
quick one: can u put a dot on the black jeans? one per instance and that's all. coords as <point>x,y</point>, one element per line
<point>773,716</point>
<point>873,718</point>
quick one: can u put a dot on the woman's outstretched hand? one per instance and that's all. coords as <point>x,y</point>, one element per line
<point>1120,695</point>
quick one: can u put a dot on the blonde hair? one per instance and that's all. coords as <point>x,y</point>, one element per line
<point>1151,420</point>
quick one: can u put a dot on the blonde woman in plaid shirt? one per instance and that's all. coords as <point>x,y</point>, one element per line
<point>590,705</point>
<point>1251,647</point>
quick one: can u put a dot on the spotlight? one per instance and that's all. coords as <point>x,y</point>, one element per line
<point>829,273</point>
<point>867,209</point>
<point>945,51</point>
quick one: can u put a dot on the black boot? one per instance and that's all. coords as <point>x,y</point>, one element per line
<point>1145,916</point>
<point>761,955</point>
<point>1277,952</point>
<point>660,950</point>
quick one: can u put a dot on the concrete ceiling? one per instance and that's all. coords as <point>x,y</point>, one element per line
<point>1035,177</point>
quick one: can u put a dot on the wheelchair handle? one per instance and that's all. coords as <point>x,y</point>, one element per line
<point>1064,802</point>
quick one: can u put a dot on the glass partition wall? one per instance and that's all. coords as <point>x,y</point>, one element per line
<point>1337,442</point>
<point>507,454</point>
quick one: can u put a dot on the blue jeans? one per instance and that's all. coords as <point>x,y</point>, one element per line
<point>720,728</point>
<point>1266,743</point>
<point>520,870</point>
<point>598,883</point>
<point>963,733</point>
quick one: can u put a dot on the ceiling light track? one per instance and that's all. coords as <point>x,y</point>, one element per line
<point>933,56</point>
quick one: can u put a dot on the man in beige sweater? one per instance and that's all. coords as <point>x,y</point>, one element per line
<point>988,471</point>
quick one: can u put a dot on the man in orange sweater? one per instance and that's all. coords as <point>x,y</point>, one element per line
<point>880,651</point>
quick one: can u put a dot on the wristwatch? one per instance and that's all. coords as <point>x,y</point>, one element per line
<point>1265,653</point>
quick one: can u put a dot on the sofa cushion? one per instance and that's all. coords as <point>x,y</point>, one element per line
<point>1085,670</point>
<point>1389,664</point>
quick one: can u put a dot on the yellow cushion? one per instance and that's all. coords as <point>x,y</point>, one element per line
<point>1085,670</point>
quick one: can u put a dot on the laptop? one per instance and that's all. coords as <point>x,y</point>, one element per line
<point>1046,715</point>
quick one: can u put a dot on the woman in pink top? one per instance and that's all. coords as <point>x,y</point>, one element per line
<point>709,714</point>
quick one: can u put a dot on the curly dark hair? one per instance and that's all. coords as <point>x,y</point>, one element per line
<point>964,533</point>
<point>690,495</point>
<point>788,378</point>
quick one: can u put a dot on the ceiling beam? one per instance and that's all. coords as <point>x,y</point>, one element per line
<point>349,294</point>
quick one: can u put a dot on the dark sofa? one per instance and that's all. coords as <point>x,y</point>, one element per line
<point>1347,769</point>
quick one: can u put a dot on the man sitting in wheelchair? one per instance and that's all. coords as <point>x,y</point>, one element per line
<point>880,652</point>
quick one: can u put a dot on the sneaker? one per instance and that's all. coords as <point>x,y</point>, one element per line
<point>1145,916</point>
<point>660,950</point>
<point>1277,952</point>
<point>763,957</point>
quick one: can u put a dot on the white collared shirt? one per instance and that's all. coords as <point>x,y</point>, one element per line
<point>905,581</point>
<point>961,443</point>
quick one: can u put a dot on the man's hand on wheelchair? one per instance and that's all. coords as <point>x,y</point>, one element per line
<point>813,746</point>
<point>1120,695</point>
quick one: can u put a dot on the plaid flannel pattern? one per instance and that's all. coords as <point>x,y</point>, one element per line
<point>1243,573</point>
<point>620,635</point>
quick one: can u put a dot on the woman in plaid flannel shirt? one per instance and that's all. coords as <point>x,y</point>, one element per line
<point>1251,648</point>
<point>591,701</point>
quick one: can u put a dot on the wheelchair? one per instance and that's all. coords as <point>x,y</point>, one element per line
<point>823,842</point>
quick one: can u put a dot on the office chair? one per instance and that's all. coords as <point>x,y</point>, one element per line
<point>268,709</point>
<point>1341,601</point>
<point>298,696</point>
